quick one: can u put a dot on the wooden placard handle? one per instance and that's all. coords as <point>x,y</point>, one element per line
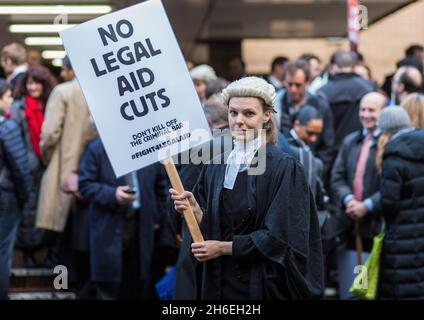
<point>189,217</point>
<point>358,241</point>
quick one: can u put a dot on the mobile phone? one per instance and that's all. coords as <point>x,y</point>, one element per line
<point>130,191</point>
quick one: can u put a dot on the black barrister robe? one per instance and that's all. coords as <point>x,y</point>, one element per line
<point>284,251</point>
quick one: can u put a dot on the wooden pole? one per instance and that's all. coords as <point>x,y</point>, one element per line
<point>358,241</point>
<point>189,217</point>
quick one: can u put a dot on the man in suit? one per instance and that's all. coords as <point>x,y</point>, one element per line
<point>288,104</point>
<point>356,186</point>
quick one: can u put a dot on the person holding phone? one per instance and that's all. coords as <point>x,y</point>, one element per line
<point>123,215</point>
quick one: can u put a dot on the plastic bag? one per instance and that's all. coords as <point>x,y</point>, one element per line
<point>365,284</point>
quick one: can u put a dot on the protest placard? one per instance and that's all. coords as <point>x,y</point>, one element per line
<point>138,89</point>
<point>137,86</point>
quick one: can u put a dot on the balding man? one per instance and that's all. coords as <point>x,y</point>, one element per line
<point>355,184</point>
<point>343,92</point>
<point>406,80</point>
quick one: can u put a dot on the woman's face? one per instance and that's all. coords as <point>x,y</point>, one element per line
<point>6,100</point>
<point>34,88</point>
<point>200,88</point>
<point>246,117</point>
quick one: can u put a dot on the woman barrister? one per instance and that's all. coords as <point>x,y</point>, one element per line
<point>261,230</point>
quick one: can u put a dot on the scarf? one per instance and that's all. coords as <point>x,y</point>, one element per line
<point>35,118</point>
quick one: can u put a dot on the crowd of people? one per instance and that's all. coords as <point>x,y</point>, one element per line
<point>344,159</point>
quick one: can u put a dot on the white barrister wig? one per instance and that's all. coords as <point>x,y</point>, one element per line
<point>203,73</point>
<point>250,87</point>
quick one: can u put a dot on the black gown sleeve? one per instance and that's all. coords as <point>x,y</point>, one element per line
<point>199,192</point>
<point>290,235</point>
<point>88,183</point>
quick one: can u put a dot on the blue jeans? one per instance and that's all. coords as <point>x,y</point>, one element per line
<point>346,263</point>
<point>9,220</point>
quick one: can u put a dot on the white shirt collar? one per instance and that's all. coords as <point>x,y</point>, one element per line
<point>247,147</point>
<point>240,159</point>
<point>296,137</point>
<point>18,70</point>
<point>274,81</point>
<point>375,133</point>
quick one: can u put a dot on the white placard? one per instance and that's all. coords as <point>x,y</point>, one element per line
<point>137,86</point>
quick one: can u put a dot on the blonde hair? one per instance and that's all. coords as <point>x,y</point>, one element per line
<point>383,141</point>
<point>271,125</point>
<point>414,106</point>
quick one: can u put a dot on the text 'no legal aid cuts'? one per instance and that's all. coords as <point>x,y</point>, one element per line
<point>139,79</point>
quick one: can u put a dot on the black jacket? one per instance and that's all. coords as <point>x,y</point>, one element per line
<point>284,251</point>
<point>14,169</point>
<point>313,166</point>
<point>402,201</point>
<point>97,184</point>
<point>18,114</point>
<point>220,146</point>
<point>28,235</point>
<point>323,149</point>
<point>344,92</point>
<point>342,177</point>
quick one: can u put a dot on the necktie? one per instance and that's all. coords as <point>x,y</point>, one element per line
<point>358,181</point>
